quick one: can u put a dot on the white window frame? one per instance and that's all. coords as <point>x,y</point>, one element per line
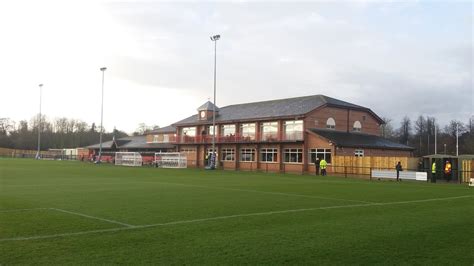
<point>247,151</point>
<point>269,130</point>
<point>293,129</point>
<point>359,153</point>
<point>317,152</point>
<point>287,154</point>
<point>331,123</point>
<point>246,130</point>
<point>187,130</point>
<point>228,130</point>
<point>228,151</point>
<point>357,127</point>
<point>266,151</point>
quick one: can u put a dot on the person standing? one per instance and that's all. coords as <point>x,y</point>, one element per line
<point>447,171</point>
<point>323,164</point>
<point>399,168</point>
<point>433,172</point>
<point>316,165</point>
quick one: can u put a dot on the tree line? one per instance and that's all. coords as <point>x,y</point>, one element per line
<point>59,133</point>
<point>420,134</point>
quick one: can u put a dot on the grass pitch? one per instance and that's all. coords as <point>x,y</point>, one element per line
<point>77,213</point>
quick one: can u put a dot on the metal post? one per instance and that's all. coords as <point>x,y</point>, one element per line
<point>38,156</point>
<point>457,139</point>
<point>435,142</point>
<point>101,116</point>
<point>214,38</point>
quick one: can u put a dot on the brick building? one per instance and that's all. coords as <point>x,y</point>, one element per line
<point>280,135</point>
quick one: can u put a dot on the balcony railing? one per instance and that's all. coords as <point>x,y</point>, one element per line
<point>237,138</point>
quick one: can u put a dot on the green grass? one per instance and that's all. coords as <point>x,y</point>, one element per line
<point>54,212</point>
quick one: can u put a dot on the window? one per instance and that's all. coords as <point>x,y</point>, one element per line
<point>359,153</point>
<point>321,154</point>
<point>269,155</point>
<point>188,134</point>
<point>331,123</point>
<point>228,130</point>
<point>269,131</point>
<point>166,138</point>
<point>294,130</point>
<point>293,155</point>
<point>248,131</point>
<point>247,155</point>
<point>357,126</point>
<point>228,154</point>
<point>155,138</point>
<point>189,131</point>
<point>210,130</point>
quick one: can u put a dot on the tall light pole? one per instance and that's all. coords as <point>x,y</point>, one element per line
<point>38,156</point>
<point>101,115</point>
<point>214,38</point>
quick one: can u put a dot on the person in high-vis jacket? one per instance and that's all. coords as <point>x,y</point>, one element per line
<point>323,164</point>
<point>433,172</point>
<point>447,170</point>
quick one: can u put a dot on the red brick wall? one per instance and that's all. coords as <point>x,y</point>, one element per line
<point>319,117</point>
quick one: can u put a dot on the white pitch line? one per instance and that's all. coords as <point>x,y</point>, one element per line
<point>92,217</point>
<point>23,210</point>
<point>229,217</point>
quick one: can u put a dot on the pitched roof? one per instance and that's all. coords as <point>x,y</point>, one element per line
<point>208,106</point>
<point>358,140</point>
<point>133,142</point>
<point>276,108</point>
<point>167,129</point>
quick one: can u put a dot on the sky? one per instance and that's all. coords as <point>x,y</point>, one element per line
<point>396,57</point>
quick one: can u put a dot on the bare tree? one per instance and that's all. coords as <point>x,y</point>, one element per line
<point>405,130</point>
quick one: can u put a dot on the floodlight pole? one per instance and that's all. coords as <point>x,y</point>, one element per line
<point>457,139</point>
<point>39,124</point>
<point>214,38</point>
<point>101,116</point>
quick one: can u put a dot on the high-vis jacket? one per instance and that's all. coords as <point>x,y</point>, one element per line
<point>433,168</point>
<point>447,168</point>
<point>323,164</point>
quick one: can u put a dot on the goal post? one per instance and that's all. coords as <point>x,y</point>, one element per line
<point>128,158</point>
<point>171,160</point>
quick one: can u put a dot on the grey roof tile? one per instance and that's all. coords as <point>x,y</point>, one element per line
<point>358,140</point>
<point>271,109</point>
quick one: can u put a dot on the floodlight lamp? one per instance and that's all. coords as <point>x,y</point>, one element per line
<point>103,68</point>
<point>215,37</point>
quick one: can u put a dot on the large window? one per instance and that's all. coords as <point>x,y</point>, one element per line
<point>357,126</point>
<point>189,131</point>
<point>228,130</point>
<point>247,155</point>
<point>269,131</point>
<point>188,134</point>
<point>321,154</point>
<point>294,130</point>
<point>293,155</point>
<point>331,123</point>
<point>269,155</point>
<point>228,154</point>
<point>155,139</point>
<point>248,131</point>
